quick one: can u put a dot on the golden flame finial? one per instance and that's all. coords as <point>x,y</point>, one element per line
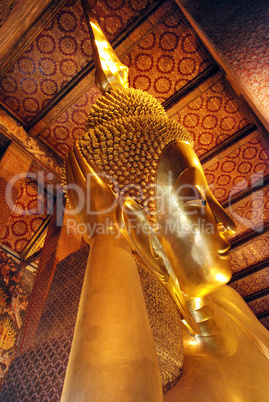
<point>110,72</point>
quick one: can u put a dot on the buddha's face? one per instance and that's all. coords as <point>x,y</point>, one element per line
<point>191,223</point>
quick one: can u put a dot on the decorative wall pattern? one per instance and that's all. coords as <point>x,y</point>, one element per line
<point>243,165</point>
<point>31,208</point>
<point>23,15</point>
<point>15,288</point>
<point>251,213</point>
<point>35,147</point>
<point>38,374</point>
<point>166,60</point>
<point>45,272</point>
<point>55,56</point>
<point>166,327</point>
<point>49,357</point>
<point>61,307</point>
<point>114,16</point>
<point>253,283</point>
<point>70,125</point>
<point>240,30</point>
<point>10,165</point>
<point>11,126</point>
<point>256,251</point>
<point>260,305</point>
<point>212,117</point>
<point>49,184</point>
<point>58,53</point>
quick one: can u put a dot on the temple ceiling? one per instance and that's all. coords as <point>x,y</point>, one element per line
<point>47,88</point>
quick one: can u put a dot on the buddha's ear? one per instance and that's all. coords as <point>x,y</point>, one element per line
<point>135,224</point>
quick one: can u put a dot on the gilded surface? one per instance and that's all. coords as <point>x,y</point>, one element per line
<point>109,70</point>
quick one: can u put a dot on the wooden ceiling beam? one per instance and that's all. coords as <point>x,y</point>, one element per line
<point>61,94</point>
<point>27,38</point>
<point>257,295</point>
<point>249,237</point>
<point>262,315</point>
<point>243,194</point>
<point>249,271</point>
<point>184,91</point>
<point>239,135</point>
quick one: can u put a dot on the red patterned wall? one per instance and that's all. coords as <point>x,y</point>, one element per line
<point>260,305</point>
<point>240,30</point>
<point>23,223</point>
<point>10,165</point>
<point>58,53</point>
<point>114,16</point>
<point>69,126</point>
<point>55,56</point>
<point>211,117</point>
<point>240,166</point>
<point>253,283</point>
<point>253,253</point>
<point>251,213</point>
<point>167,59</point>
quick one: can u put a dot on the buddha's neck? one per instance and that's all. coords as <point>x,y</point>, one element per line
<point>217,335</point>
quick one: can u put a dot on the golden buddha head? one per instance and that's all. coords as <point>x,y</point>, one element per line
<point>126,132</point>
<point>142,155</point>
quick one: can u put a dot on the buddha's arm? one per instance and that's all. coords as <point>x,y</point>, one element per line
<point>113,357</point>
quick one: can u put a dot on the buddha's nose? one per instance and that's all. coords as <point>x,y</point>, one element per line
<point>230,226</point>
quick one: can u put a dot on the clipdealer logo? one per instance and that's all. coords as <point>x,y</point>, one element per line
<point>47,191</point>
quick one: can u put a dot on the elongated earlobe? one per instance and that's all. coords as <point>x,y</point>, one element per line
<point>134,223</point>
<point>143,239</point>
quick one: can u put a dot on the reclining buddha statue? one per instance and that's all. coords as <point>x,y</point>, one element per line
<point>139,191</point>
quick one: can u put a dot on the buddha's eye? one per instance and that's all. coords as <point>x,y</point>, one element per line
<point>195,203</point>
<point>194,197</point>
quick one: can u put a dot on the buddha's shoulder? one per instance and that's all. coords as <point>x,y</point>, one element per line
<point>233,304</point>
